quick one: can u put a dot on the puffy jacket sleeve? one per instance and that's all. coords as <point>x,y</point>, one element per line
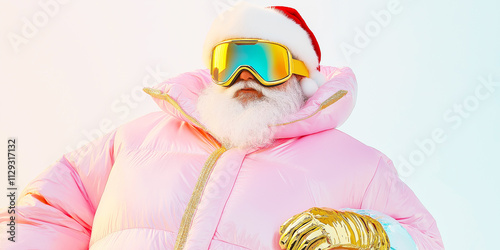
<point>389,195</point>
<point>56,210</point>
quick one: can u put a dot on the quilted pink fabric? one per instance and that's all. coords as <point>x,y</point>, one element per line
<point>129,189</point>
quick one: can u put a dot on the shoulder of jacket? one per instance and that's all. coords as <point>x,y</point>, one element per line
<point>140,127</point>
<point>340,144</point>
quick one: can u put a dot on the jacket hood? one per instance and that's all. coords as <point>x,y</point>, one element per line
<point>328,108</point>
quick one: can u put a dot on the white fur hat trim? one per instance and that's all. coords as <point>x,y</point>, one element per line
<point>246,20</point>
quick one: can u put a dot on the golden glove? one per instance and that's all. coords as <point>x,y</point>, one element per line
<point>323,228</point>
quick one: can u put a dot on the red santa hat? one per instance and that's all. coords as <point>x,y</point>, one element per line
<point>276,23</point>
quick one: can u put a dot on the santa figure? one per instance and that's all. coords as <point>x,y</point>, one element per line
<point>245,154</point>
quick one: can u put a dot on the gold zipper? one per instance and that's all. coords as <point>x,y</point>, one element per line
<point>201,183</point>
<point>188,216</point>
<point>331,100</point>
<point>158,94</point>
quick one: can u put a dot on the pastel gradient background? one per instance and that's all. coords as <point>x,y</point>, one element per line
<point>428,75</point>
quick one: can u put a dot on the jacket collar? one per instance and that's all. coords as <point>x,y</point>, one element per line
<point>328,108</point>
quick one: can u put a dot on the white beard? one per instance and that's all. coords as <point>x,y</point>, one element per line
<point>247,125</point>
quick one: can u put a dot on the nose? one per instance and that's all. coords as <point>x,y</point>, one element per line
<point>245,75</point>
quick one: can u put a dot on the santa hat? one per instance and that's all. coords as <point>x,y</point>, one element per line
<point>276,23</point>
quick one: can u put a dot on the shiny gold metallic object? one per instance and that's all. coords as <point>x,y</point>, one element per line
<point>323,228</point>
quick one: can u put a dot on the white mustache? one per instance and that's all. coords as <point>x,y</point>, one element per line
<point>242,84</point>
<point>242,126</point>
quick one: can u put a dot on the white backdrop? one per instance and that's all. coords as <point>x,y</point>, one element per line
<point>428,75</point>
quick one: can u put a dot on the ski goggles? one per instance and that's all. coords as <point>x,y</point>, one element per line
<point>271,63</point>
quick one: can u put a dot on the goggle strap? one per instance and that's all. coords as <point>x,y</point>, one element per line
<point>299,68</point>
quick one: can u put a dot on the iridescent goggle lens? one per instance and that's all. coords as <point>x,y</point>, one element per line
<point>269,62</point>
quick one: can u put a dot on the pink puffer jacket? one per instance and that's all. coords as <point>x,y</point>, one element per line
<point>130,188</point>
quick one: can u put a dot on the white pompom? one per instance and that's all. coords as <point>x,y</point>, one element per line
<point>309,86</point>
<point>318,77</point>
